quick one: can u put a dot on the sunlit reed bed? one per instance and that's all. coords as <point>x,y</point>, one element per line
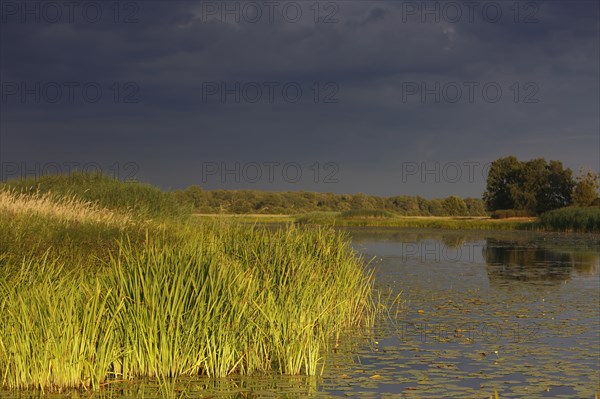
<point>188,299</point>
<point>61,209</point>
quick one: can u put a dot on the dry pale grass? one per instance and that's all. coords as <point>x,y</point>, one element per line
<point>67,209</point>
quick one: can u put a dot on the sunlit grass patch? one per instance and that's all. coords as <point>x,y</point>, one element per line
<point>143,200</point>
<point>61,209</point>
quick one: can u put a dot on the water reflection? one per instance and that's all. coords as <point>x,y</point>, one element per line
<point>508,256</point>
<point>532,261</point>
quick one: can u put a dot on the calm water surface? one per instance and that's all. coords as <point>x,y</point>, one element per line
<point>518,312</point>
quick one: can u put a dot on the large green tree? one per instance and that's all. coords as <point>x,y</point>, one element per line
<point>536,185</point>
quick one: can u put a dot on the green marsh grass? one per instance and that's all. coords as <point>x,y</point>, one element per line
<point>572,219</point>
<point>55,329</point>
<point>85,302</point>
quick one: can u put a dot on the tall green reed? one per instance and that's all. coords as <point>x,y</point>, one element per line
<point>188,299</point>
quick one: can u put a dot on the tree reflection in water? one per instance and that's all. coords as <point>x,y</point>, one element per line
<point>530,261</point>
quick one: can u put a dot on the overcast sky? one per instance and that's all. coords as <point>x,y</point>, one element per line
<point>380,97</point>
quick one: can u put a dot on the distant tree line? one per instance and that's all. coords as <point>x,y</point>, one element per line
<point>516,188</point>
<point>266,202</point>
<point>537,186</point>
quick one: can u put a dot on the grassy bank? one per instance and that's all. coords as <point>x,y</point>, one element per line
<point>93,291</point>
<point>579,220</point>
<point>144,200</point>
<point>386,219</point>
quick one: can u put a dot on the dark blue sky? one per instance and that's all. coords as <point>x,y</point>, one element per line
<point>381,97</point>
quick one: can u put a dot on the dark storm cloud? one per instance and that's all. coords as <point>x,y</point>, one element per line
<point>358,107</point>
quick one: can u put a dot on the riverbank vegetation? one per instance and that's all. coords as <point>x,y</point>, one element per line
<point>425,222</point>
<point>102,280</point>
<point>517,194</point>
<point>381,219</point>
<point>293,203</point>
<point>572,219</point>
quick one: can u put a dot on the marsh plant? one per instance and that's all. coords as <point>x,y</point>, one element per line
<point>115,297</point>
<point>574,219</point>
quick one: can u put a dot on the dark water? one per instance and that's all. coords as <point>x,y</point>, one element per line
<point>516,312</point>
<point>513,311</point>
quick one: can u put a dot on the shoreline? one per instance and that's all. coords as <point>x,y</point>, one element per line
<point>440,222</point>
<point>474,223</point>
